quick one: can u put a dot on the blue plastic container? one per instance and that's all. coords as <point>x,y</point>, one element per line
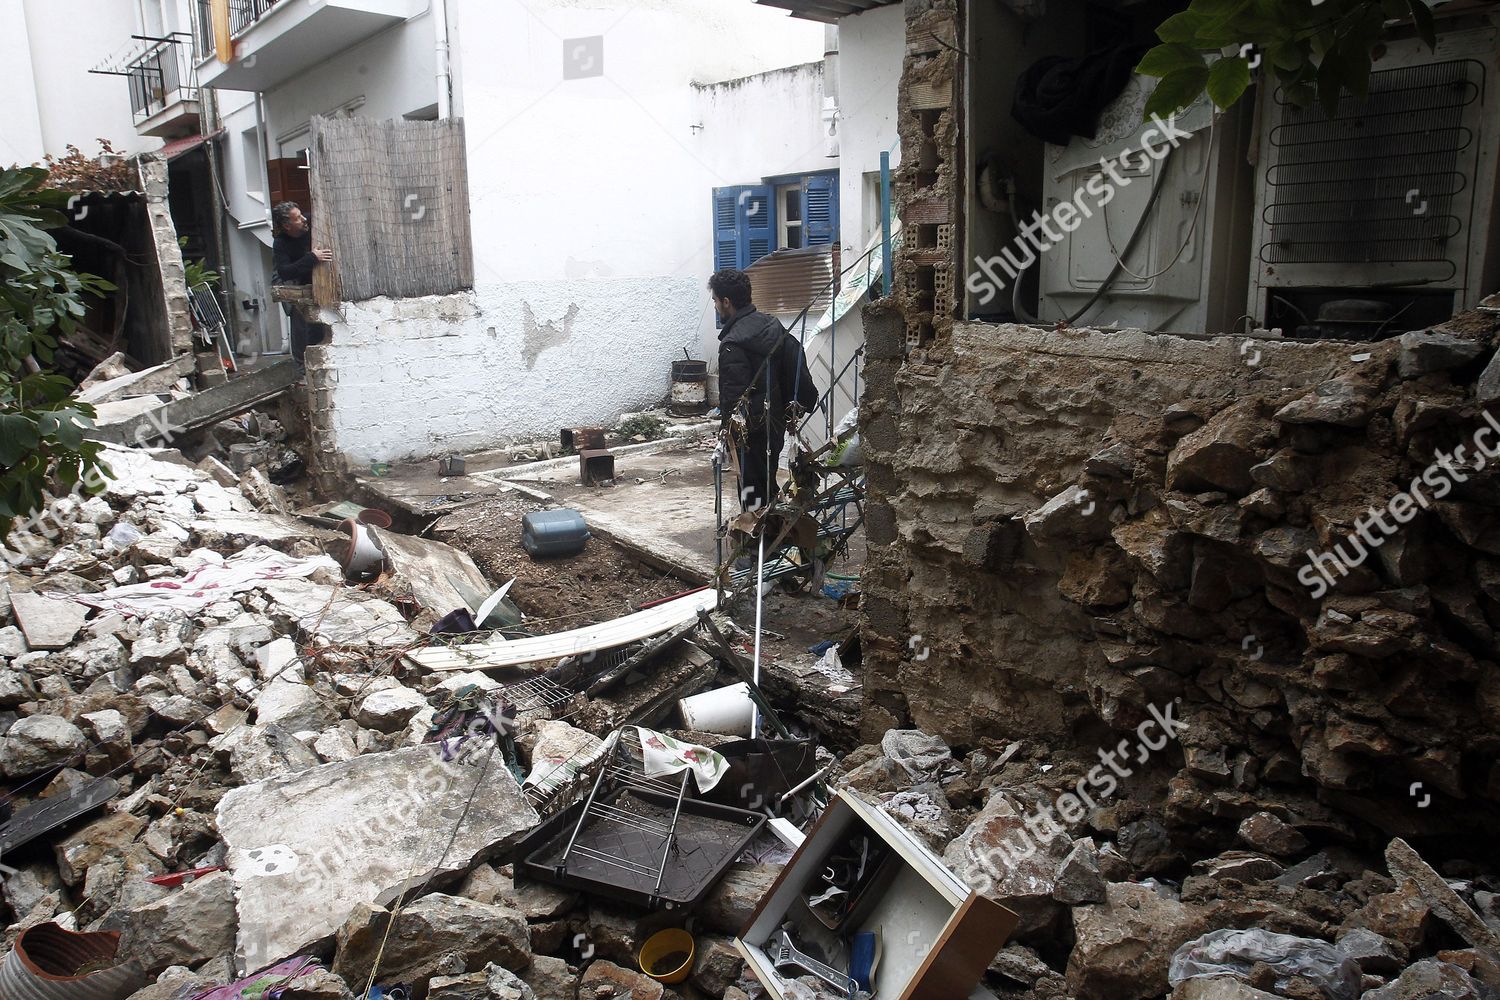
<point>553,533</point>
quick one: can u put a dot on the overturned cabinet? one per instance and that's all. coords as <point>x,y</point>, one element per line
<point>936,935</point>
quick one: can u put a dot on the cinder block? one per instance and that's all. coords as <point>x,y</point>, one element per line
<point>884,332</point>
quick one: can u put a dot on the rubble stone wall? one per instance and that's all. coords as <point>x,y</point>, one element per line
<point>1068,526</point>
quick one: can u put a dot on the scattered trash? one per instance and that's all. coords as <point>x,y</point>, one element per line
<point>361,556</point>
<point>452,465</point>
<point>553,533</point>
<point>1235,953</point>
<point>936,936</point>
<point>49,814</point>
<point>639,837</point>
<point>378,469</point>
<point>262,984</point>
<point>726,710</point>
<point>580,438</point>
<point>667,956</point>
<point>596,467</point>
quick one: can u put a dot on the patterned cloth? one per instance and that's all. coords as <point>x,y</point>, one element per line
<point>664,755</point>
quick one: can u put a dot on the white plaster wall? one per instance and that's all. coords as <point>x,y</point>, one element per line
<point>20,126</point>
<point>459,373</point>
<point>767,125</point>
<point>64,40</point>
<point>390,74</point>
<point>871,47</point>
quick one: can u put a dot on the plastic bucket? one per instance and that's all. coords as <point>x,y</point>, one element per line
<point>375,516</point>
<point>667,956</point>
<point>363,557</point>
<point>727,711</point>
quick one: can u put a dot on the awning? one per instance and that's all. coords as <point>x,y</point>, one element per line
<point>827,11</point>
<point>788,280</point>
<point>185,145</point>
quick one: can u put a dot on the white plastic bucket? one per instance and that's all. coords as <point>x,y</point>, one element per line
<point>364,557</point>
<point>727,711</point>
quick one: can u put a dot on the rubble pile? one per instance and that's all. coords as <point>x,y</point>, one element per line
<point>221,759</point>
<point>1110,910</point>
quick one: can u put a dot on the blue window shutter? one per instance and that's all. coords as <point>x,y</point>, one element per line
<point>757,221</point>
<point>820,210</point>
<point>727,230</point>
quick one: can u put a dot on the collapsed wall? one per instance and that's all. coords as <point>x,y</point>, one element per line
<point>1067,527</point>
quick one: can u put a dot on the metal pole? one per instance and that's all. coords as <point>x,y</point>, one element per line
<point>887,265</point>
<point>760,591</point>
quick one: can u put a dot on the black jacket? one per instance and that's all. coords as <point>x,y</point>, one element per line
<point>744,344</point>
<point>294,259</point>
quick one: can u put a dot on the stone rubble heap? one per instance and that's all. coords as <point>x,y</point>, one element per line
<point>272,733</point>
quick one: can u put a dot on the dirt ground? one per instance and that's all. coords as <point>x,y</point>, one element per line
<point>600,583</point>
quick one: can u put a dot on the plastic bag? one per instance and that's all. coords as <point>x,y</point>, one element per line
<point>1232,952</point>
<point>123,535</point>
<point>922,757</point>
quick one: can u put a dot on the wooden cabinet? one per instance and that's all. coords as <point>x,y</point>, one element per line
<point>937,935</point>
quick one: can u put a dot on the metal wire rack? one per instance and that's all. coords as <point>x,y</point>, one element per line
<point>541,694</point>
<point>624,772</point>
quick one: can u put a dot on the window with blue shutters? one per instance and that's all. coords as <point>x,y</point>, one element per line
<point>744,225</point>
<point>820,210</point>
<point>748,217</point>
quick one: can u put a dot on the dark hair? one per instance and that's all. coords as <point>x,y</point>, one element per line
<point>280,212</point>
<point>731,284</point>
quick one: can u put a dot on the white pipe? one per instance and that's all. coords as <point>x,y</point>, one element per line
<point>760,590</point>
<point>444,71</point>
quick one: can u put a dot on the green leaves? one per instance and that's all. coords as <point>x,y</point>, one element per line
<point>42,444</point>
<point>1227,80</point>
<point>1316,51</point>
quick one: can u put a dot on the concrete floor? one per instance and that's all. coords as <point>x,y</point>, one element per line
<point>661,507</point>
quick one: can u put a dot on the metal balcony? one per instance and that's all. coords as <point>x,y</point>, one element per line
<point>274,41</point>
<point>161,99</point>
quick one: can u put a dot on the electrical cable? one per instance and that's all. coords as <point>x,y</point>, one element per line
<point>1140,227</point>
<point>1192,227</point>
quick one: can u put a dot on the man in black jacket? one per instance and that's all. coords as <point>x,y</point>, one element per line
<point>295,259</point>
<point>763,371</point>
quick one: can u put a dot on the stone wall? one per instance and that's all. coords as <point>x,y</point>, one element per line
<point>1068,526</point>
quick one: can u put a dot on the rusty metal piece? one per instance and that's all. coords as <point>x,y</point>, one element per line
<point>45,964</point>
<point>595,466</point>
<point>579,438</point>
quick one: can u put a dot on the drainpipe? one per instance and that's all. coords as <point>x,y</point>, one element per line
<point>831,88</point>
<point>265,150</point>
<point>444,72</point>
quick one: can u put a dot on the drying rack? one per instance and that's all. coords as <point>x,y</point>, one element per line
<point>625,770</point>
<point>539,694</point>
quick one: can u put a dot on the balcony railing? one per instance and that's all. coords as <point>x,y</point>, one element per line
<point>242,14</point>
<point>157,80</point>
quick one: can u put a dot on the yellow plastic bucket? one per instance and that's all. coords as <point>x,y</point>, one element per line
<point>667,956</point>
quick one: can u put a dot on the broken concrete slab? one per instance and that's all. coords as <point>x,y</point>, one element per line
<point>203,409</point>
<point>37,743</point>
<point>146,382</point>
<point>47,622</point>
<point>325,615</point>
<point>441,578</point>
<point>191,925</point>
<point>325,840</point>
<point>1405,863</point>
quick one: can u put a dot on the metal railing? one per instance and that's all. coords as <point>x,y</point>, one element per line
<point>157,79</point>
<point>242,14</point>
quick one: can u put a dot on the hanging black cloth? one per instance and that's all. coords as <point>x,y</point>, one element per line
<point>1058,97</point>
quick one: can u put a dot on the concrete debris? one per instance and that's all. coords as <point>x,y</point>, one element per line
<point>292,844</point>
